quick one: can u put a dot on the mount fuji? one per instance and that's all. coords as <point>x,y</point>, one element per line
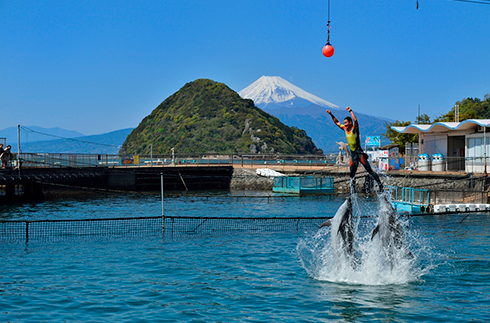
<point>275,92</point>
<point>294,106</point>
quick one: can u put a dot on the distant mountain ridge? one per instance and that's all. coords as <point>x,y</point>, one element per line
<point>298,108</point>
<point>107,143</point>
<point>35,133</point>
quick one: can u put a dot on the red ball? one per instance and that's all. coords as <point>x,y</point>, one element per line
<point>328,50</point>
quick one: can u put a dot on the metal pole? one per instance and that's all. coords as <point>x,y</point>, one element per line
<point>151,155</point>
<point>484,151</point>
<point>18,147</point>
<point>161,187</point>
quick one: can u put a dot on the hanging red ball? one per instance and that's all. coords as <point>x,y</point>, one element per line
<point>328,50</point>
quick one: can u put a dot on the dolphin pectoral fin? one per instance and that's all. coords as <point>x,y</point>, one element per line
<point>376,230</point>
<point>326,223</point>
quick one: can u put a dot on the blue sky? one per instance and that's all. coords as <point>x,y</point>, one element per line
<point>99,66</point>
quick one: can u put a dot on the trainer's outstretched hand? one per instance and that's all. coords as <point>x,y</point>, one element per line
<point>329,112</point>
<point>349,109</point>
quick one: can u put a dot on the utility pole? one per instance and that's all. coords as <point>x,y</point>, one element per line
<point>485,150</point>
<point>18,148</point>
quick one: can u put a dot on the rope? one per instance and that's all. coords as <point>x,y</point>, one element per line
<point>473,1</point>
<point>328,24</point>
<point>77,140</point>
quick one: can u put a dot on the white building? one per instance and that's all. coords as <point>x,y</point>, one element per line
<point>464,145</point>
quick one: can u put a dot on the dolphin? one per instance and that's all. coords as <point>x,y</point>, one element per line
<point>345,228</point>
<point>389,229</point>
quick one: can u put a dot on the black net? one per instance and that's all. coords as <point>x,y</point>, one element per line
<point>60,229</point>
<point>146,226</point>
<point>13,230</point>
<point>205,225</point>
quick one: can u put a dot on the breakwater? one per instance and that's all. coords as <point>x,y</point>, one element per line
<point>52,183</point>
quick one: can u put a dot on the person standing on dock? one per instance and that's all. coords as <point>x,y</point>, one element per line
<point>5,157</point>
<point>351,128</point>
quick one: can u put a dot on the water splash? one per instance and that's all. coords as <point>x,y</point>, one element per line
<point>387,257</point>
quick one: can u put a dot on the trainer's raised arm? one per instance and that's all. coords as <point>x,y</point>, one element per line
<point>354,119</point>
<point>337,122</point>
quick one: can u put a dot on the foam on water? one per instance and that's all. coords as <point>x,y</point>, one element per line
<point>376,261</point>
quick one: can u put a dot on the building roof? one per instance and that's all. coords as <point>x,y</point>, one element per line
<point>443,126</point>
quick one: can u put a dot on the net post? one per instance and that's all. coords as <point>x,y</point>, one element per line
<point>27,231</point>
<point>163,213</point>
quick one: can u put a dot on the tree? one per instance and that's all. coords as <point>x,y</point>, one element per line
<point>422,119</point>
<point>400,138</point>
<point>469,108</point>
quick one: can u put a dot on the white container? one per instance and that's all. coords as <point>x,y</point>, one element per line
<point>438,163</point>
<point>471,207</point>
<point>482,207</point>
<point>439,208</point>
<point>424,165</point>
<point>439,166</point>
<point>461,207</point>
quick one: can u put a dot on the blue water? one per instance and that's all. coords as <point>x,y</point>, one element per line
<point>246,277</point>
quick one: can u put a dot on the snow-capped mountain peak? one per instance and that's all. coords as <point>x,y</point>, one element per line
<point>274,89</point>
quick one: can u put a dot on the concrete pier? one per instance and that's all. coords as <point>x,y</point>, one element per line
<point>51,183</point>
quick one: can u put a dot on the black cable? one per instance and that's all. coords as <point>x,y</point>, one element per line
<point>77,140</point>
<point>328,24</point>
<point>473,1</point>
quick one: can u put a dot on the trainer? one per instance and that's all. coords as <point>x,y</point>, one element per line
<point>351,128</point>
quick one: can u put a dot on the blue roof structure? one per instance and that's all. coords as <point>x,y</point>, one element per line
<point>443,126</point>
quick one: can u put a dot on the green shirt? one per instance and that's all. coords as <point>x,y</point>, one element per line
<point>353,138</point>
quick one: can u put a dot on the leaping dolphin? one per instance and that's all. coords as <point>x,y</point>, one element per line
<point>345,227</point>
<point>389,229</point>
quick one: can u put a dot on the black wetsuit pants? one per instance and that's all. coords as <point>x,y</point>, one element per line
<point>357,157</point>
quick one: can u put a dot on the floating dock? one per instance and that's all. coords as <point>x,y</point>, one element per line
<point>303,185</point>
<point>417,201</point>
<point>455,208</point>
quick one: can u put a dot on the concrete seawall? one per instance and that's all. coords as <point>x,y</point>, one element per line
<point>52,183</point>
<point>247,179</point>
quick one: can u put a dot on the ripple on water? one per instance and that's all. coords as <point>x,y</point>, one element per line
<point>245,277</point>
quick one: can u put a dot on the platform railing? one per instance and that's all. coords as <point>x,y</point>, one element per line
<point>50,160</point>
<point>426,197</point>
<point>45,160</point>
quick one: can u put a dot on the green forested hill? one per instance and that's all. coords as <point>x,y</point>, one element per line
<point>208,117</point>
<point>469,108</point>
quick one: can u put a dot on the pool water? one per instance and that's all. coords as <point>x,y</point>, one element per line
<point>244,277</point>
